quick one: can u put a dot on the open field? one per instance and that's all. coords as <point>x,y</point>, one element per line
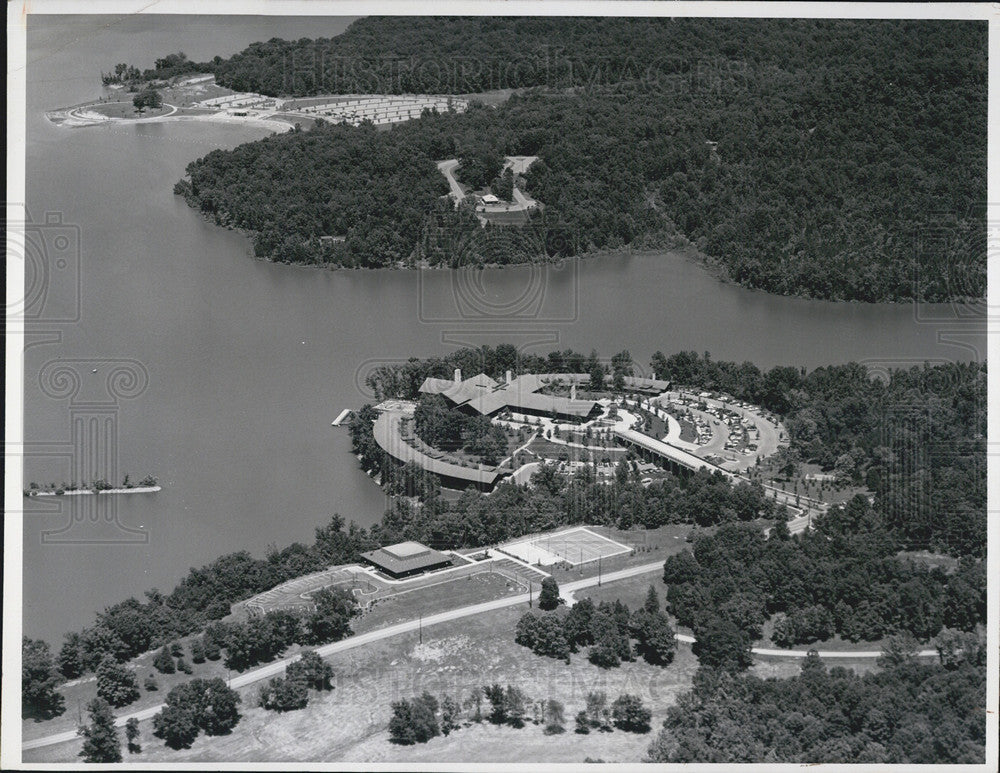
<point>350,724</point>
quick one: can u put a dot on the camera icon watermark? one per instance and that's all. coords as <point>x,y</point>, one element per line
<point>48,251</point>
<point>952,251</point>
<point>88,461</point>
<point>502,275</point>
<point>914,442</point>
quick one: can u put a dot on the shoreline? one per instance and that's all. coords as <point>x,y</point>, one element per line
<point>83,492</point>
<point>80,116</point>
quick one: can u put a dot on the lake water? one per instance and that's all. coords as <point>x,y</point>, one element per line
<point>240,366</point>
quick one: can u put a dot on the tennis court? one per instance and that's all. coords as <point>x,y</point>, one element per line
<point>575,546</point>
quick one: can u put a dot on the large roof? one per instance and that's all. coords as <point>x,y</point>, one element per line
<point>435,386</point>
<point>405,557</point>
<point>486,396</point>
<point>670,452</point>
<point>388,435</point>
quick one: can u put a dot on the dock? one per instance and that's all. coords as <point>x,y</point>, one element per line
<point>344,414</point>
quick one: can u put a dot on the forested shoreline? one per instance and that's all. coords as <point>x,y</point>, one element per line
<point>753,140</point>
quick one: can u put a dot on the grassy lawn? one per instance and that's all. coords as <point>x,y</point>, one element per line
<point>127,110</point>
<point>460,592</point>
<point>549,450</point>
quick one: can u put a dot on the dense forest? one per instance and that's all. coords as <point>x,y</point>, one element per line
<point>842,577</point>
<point>829,158</point>
<point>905,713</point>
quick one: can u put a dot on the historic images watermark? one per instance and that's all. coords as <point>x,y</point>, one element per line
<point>90,390</point>
<point>912,443</point>
<point>951,253</point>
<point>88,456</point>
<point>319,68</point>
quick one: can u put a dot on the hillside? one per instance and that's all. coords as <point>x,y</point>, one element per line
<point>832,159</point>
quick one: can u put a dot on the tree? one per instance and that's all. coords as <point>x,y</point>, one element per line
<point>516,706</point>
<point>183,666</point>
<point>597,378</point>
<point>582,723</point>
<point>200,704</point>
<point>681,568</point>
<point>212,649</point>
<point>311,670</point>
<point>39,697</point>
<point>331,619</point>
<point>450,713</point>
<point>578,624</point>
<point>414,721</point>
<point>283,694</point>
<point>147,98</point>
<point>71,660</point>
<point>177,725</point>
<point>100,739</point>
<point>401,729</point>
<point>132,736</point>
<point>629,714</point>
<point>151,684</point>
<point>554,717</point>
<point>899,649</point>
<point>548,598</point>
<point>197,651</point>
<point>720,644</point>
<point>498,704</point>
<point>610,624</point>
<point>116,683</point>
<point>597,709</point>
<point>164,662</point>
<point>219,713</point>
<point>657,641</point>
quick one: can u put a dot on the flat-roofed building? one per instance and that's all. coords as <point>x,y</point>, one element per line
<point>406,559</point>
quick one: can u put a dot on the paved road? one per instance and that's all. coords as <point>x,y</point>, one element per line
<point>447,168</point>
<point>278,667</point>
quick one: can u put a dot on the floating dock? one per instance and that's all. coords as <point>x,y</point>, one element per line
<point>344,414</point>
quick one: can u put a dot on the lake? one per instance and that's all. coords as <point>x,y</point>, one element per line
<point>233,368</point>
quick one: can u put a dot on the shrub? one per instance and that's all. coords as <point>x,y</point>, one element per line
<point>283,694</point>
<point>164,662</point>
<point>629,714</point>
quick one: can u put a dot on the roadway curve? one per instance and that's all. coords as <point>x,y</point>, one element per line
<point>278,667</point>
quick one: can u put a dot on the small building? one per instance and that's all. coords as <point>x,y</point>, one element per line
<point>406,559</point>
<point>489,198</point>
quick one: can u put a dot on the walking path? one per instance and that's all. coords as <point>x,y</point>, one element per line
<point>278,667</point>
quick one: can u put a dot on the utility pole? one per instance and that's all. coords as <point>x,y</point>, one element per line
<point>599,557</point>
<point>529,593</point>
